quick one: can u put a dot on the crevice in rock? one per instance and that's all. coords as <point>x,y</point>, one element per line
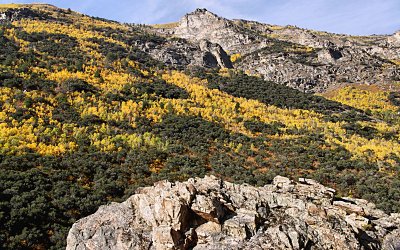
<point>249,234</point>
<point>343,199</point>
<point>194,219</point>
<point>367,241</point>
<point>309,245</point>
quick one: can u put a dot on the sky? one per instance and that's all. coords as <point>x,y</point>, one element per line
<point>356,17</point>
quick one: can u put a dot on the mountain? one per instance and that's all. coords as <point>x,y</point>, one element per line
<point>304,59</point>
<point>91,110</point>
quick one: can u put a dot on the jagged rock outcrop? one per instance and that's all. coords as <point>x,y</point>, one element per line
<point>214,55</point>
<point>315,72</point>
<point>179,53</point>
<point>308,60</point>
<point>205,25</point>
<point>210,213</point>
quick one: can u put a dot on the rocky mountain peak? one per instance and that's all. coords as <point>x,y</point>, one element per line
<point>199,11</point>
<point>205,25</point>
<point>209,213</point>
<point>201,17</point>
<point>204,14</point>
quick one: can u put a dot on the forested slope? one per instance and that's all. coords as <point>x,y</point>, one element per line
<point>86,117</point>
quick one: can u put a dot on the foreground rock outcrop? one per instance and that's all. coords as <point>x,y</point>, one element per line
<point>209,213</point>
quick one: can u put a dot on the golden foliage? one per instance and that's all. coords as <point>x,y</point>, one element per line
<point>235,57</point>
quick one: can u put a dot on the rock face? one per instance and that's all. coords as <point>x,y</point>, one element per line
<point>315,72</point>
<point>394,40</point>
<point>308,60</point>
<point>209,213</point>
<point>204,25</point>
<point>215,55</point>
<point>180,53</point>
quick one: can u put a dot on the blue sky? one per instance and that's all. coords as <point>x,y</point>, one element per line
<point>358,17</point>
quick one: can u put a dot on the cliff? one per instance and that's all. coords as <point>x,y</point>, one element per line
<point>307,60</point>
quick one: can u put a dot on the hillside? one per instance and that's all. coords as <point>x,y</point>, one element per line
<point>91,109</point>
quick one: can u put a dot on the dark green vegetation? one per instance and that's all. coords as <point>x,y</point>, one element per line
<point>42,196</point>
<point>394,97</point>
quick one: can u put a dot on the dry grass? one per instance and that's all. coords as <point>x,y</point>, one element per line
<point>18,6</point>
<point>331,92</point>
<point>276,27</point>
<point>10,6</point>
<point>165,25</point>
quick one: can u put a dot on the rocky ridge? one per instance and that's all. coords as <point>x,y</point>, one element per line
<point>179,53</point>
<point>304,59</point>
<point>210,213</point>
